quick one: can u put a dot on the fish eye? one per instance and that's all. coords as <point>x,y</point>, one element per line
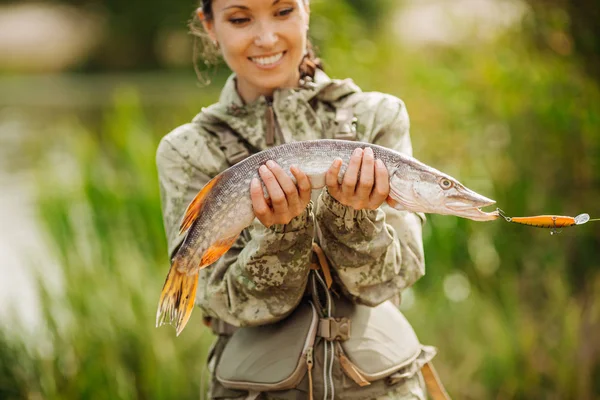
<point>446,184</point>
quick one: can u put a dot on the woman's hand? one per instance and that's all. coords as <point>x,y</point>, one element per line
<point>286,199</point>
<point>366,181</point>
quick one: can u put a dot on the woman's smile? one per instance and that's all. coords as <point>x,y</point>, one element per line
<point>268,62</point>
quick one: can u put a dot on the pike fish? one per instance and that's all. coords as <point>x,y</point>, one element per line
<point>222,208</point>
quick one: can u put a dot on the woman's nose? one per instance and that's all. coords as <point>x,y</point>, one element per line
<point>266,37</point>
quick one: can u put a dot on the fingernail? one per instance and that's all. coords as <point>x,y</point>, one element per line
<point>369,151</point>
<point>357,151</point>
<point>270,163</point>
<point>263,168</point>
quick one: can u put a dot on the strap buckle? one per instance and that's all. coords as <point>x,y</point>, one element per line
<point>235,154</point>
<point>332,329</point>
<point>232,147</point>
<point>346,122</point>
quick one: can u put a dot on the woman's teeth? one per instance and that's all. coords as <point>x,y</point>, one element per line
<point>267,60</point>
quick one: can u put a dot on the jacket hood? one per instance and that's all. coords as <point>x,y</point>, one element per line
<point>248,119</point>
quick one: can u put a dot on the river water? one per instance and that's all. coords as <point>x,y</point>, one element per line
<point>21,243</point>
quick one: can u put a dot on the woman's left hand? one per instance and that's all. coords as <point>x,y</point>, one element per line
<point>365,184</point>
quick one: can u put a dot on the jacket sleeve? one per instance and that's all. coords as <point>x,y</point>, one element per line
<point>375,253</point>
<point>262,277</point>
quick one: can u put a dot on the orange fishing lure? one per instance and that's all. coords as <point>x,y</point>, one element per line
<point>554,222</point>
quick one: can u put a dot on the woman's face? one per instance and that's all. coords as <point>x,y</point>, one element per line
<point>262,41</point>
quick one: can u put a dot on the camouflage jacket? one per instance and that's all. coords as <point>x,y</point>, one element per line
<point>375,254</point>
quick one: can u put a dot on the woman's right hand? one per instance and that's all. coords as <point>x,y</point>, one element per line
<point>286,200</point>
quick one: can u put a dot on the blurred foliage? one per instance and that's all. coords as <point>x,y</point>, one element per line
<point>567,26</point>
<point>514,122</point>
<point>102,211</point>
<point>134,28</point>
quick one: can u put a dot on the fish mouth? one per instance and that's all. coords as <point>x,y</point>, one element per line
<point>477,214</point>
<point>472,209</point>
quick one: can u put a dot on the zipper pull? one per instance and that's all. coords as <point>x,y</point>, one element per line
<point>351,371</point>
<point>309,364</point>
<point>270,135</point>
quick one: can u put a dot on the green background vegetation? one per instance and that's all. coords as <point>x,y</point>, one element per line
<point>514,311</point>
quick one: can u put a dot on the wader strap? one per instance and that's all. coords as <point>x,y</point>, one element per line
<point>323,265</point>
<point>232,146</point>
<point>435,387</point>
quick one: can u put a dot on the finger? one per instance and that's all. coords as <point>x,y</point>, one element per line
<point>367,176</point>
<point>381,190</point>
<point>304,187</point>
<point>259,203</point>
<point>331,177</point>
<point>286,184</point>
<point>351,175</point>
<point>278,200</point>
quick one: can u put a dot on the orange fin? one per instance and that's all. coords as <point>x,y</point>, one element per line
<point>177,298</point>
<point>195,207</point>
<point>391,202</point>
<point>217,249</point>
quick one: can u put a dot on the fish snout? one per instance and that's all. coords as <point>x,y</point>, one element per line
<point>467,199</point>
<point>479,200</point>
<point>467,204</point>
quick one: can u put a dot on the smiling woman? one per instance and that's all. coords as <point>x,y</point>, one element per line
<point>267,293</point>
<point>262,42</point>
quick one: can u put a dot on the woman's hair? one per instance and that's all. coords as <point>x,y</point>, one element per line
<point>204,47</point>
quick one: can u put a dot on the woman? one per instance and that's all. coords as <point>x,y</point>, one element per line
<point>264,284</point>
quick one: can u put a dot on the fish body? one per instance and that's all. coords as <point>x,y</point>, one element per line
<point>223,208</point>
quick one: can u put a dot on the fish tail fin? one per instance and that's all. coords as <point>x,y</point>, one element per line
<point>176,301</point>
<point>195,207</point>
<point>177,298</point>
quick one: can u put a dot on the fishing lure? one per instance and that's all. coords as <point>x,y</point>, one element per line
<point>554,222</point>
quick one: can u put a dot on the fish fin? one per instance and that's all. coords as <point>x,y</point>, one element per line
<point>394,204</point>
<point>177,298</point>
<point>217,249</point>
<point>195,207</point>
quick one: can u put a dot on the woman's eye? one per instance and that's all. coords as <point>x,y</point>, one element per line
<point>285,11</point>
<point>239,21</point>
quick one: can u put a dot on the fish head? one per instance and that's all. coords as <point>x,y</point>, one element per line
<point>418,187</point>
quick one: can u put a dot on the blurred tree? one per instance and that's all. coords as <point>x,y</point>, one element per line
<point>371,11</point>
<point>570,25</point>
<point>133,28</point>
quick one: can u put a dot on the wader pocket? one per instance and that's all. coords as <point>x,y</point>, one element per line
<point>270,357</point>
<point>382,341</point>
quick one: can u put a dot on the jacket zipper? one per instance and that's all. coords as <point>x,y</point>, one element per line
<point>273,127</point>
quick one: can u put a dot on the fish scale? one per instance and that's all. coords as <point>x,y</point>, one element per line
<point>414,186</point>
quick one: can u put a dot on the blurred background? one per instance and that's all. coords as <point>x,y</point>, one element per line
<point>503,95</point>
